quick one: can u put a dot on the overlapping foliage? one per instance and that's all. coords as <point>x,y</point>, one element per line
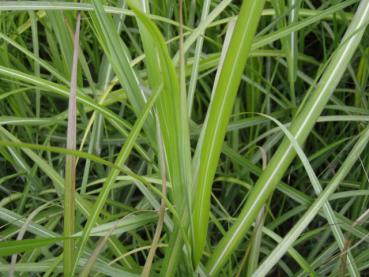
<point>214,138</point>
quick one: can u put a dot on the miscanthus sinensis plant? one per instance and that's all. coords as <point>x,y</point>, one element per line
<point>184,138</point>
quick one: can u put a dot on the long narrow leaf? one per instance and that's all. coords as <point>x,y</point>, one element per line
<point>217,118</point>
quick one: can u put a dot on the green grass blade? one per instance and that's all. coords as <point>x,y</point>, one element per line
<point>197,56</point>
<point>218,116</point>
<point>174,129</point>
<point>12,247</point>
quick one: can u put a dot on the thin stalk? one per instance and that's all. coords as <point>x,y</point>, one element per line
<point>293,49</point>
<point>195,66</point>
<point>70,166</point>
<point>257,233</point>
<point>36,54</point>
<point>159,226</point>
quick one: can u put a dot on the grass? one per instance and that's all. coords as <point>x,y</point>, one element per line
<point>184,138</point>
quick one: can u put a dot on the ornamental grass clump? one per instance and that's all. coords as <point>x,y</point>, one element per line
<point>184,138</point>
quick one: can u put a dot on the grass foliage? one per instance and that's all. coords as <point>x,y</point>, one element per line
<point>184,138</point>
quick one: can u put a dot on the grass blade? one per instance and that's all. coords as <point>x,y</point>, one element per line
<point>12,247</point>
<point>218,116</point>
<point>174,129</point>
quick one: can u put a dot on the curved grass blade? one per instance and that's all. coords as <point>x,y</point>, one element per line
<point>70,6</point>
<point>219,111</point>
<point>174,129</point>
<point>21,235</point>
